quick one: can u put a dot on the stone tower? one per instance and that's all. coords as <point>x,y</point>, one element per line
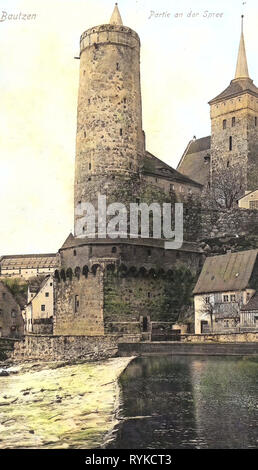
<point>110,140</point>
<point>234,124</point>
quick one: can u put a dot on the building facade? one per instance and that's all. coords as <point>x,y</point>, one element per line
<point>225,286</point>
<point>11,321</point>
<point>26,266</point>
<point>39,310</point>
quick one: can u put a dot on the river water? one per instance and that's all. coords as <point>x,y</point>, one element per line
<point>174,402</point>
<point>161,402</point>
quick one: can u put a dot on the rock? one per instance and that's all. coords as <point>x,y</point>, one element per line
<point>4,373</point>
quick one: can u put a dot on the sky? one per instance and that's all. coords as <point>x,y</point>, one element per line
<point>186,60</point>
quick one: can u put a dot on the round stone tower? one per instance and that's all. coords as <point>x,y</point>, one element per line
<point>110,141</point>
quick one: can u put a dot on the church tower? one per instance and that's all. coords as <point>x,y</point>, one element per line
<point>110,140</point>
<point>234,124</point>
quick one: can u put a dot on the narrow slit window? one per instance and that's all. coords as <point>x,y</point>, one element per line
<point>117,66</point>
<point>233,121</point>
<point>76,303</point>
<point>84,133</point>
<point>230,143</point>
<point>89,166</point>
<point>224,124</point>
<point>255,121</point>
<point>121,131</point>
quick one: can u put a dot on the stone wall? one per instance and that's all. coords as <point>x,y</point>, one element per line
<point>78,305</point>
<point>250,337</point>
<point>235,222</point>
<point>65,348</point>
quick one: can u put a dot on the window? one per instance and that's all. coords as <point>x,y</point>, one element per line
<point>124,100</point>
<point>149,294</point>
<point>232,298</point>
<point>121,131</point>
<point>224,124</point>
<point>149,252</point>
<point>137,200</point>
<point>230,143</point>
<point>226,323</point>
<point>46,294</point>
<point>51,283</point>
<point>90,250</point>
<point>207,300</point>
<point>117,66</point>
<point>89,166</point>
<point>88,100</point>
<point>228,164</point>
<point>253,204</point>
<point>255,121</point>
<point>74,253</point>
<point>84,133</point>
<point>43,308</point>
<point>76,303</point>
<point>172,187</point>
<point>225,298</point>
<point>114,249</point>
<point>233,121</point>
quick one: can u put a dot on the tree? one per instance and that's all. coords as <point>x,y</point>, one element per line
<point>225,189</point>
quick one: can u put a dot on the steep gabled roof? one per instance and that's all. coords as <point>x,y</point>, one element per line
<point>69,241</point>
<point>230,272</point>
<point>156,167</point>
<point>193,163</point>
<point>251,305</point>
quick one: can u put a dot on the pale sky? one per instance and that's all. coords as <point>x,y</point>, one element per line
<point>185,62</point>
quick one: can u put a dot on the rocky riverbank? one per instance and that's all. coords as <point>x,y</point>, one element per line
<point>60,406</point>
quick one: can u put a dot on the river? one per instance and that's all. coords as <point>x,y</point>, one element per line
<point>175,402</point>
<point>168,402</point>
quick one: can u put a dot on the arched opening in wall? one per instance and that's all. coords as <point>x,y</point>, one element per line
<point>69,273</point>
<point>62,275</point>
<point>85,271</point>
<point>56,275</point>
<point>114,249</point>
<point>142,272</point>
<point>77,272</point>
<point>132,271</point>
<point>169,274</point>
<point>161,273</point>
<point>152,273</point>
<point>111,268</point>
<point>94,269</point>
<point>122,270</point>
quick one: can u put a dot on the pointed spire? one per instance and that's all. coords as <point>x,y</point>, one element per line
<point>242,67</point>
<point>116,17</point>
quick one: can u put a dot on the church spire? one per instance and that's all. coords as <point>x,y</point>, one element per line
<point>242,67</point>
<point>116,17</point>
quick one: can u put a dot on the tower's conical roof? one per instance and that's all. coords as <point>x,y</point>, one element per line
<point>242,67</point>
<point>242,83</point>
<point>116,17</point>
